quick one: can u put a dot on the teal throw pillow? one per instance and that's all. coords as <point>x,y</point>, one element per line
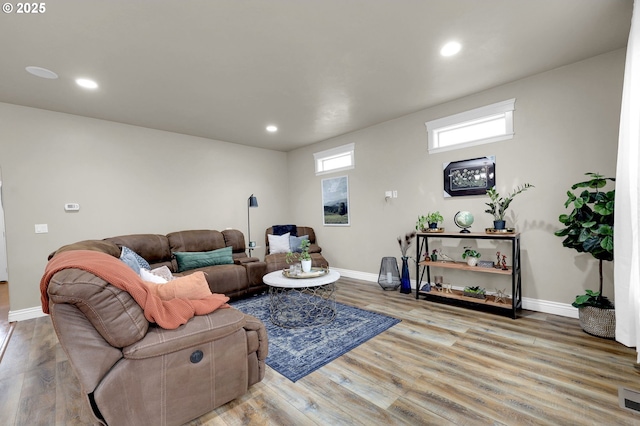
<point>199,259</point>
<point>294,243</point>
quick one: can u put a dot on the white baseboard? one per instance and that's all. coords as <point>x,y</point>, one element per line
<point>544,306</point>
<point>26,314</point>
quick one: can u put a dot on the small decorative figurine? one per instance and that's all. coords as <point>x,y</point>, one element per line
<point>434,255</point>
<point>504,262</point>
<point>444,256</point>
<point>447,288</point>
<point>497,260</point>
<point>501,296</point>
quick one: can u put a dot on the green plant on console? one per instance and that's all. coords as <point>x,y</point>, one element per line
<point>498,205</point>
<point>303,255</point>
<point>589,229</point>
<point>469,252</point>
<point>434,217</point>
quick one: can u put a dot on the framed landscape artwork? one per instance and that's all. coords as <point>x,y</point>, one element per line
<point>469,177</point>
<point>335,201</point>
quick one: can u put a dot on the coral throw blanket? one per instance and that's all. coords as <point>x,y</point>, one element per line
<point>167,314</point>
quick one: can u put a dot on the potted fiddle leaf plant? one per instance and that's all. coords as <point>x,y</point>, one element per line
<point>589,229</point>
<point>499,205</point>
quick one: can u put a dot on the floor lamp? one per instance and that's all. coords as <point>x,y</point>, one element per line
<point>251,202</point>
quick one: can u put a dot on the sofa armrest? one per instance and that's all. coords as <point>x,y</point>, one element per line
<point>262,348</point>
<point>314,248</point>
<point>255,272</point>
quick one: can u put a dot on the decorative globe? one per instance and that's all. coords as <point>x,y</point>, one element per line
<point>463,220</point>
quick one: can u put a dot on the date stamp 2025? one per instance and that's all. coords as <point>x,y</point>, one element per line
<point>24,8</point>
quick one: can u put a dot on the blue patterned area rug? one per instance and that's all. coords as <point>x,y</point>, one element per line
<point>296,352</point>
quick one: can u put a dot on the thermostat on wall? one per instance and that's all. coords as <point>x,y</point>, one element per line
<point>72,207</point>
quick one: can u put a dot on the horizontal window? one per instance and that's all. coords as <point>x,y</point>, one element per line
<point>482,125</point>
<point>335,159</point>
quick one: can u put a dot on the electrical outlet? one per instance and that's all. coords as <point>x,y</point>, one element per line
<point>42,228</point>
<point>395,194</point>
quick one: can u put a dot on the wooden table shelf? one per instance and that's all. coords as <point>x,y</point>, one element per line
<point>490,300</point>
<point>456,297</point>
<point>464,267</point>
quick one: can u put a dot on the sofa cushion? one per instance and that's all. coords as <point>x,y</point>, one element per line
<point>153,248</point>
<point>201,259</point>
<point>113,312</point>
<point>283,229</point>
<point>295,243</point>
<point>196,240</point>
<point>199,330</point>
<point>279,243</point>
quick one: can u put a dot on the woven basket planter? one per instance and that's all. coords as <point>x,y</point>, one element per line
<point>598,322</point>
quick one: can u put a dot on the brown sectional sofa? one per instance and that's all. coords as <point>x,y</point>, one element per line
<point>134,372</point>
<point>243,278</point>
<point>277,261</point>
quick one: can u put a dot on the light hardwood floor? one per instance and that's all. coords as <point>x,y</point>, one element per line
<point>441,365</point>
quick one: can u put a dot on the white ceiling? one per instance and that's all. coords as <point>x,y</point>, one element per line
<point>224,69</point>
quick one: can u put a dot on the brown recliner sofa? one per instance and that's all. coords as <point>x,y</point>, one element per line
<point>277,261</point>
<point>134,372</point>
<point>240,279</point>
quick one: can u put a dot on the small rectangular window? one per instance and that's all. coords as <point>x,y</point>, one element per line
<point>335,159</point>
<point>482,125</point>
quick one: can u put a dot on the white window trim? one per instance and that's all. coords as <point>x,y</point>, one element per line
<point>433,127</point>
<point>348,149</point>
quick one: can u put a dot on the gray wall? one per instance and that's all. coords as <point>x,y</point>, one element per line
<point>566,124</point>
<point>126,179</point>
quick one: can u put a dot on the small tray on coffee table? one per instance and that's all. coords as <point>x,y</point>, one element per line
<point>313,273</point>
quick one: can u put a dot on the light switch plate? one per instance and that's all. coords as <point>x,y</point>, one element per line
<point>42,228</point>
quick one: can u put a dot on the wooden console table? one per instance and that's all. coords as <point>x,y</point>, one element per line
<point>455,297</point>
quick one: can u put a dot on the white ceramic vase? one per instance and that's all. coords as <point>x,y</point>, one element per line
<point>472,261</point>
<point>306,265</point>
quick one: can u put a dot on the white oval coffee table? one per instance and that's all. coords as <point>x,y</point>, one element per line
<point>301,302</point>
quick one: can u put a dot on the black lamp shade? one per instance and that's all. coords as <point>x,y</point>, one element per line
<point>253,201</point>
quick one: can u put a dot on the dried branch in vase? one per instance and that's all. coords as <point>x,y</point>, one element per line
<point>406,242</point>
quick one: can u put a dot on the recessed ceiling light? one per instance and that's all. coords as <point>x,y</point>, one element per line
<point>41,72</point>
<point>86,83</point>
<point>272,128</point>
<point>450,48</point>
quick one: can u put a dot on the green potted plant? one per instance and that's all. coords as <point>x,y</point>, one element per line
<point>471,256</point>
<point>475,291</point>
<point>498,205</point>
<point>303,256</point>
<point>421,224</point>
<point>589,229</point>
<point>433,219</point>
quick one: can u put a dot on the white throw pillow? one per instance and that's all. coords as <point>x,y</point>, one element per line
<point>279,243</point>
<point>147,275</point>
